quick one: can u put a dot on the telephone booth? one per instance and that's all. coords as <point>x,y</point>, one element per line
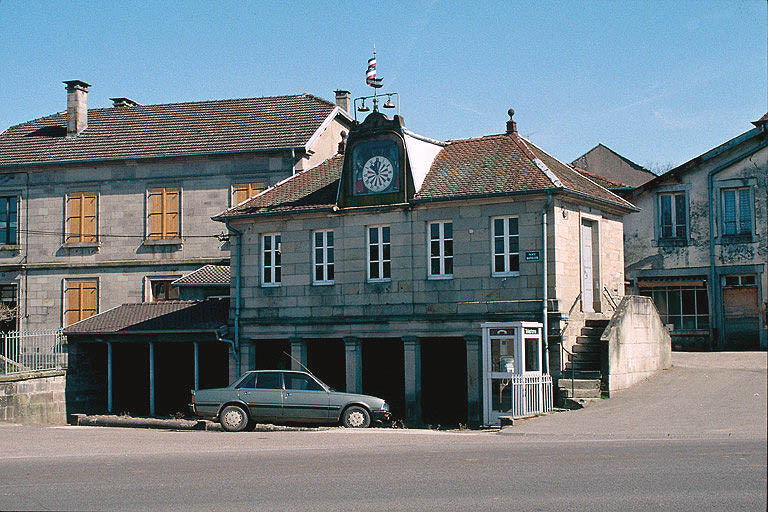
<point>513,381</point>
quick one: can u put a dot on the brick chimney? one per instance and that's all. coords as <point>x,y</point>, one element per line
<point>343,100</point>
<point>77,107</point>
<point>511,124</point>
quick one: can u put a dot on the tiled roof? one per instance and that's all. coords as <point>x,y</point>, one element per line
<point>603,182</point>
<point>207,275</point>
<point>762,120</point>
<point>603,162</point>
<point>172,129</point>
<point>310,189</point>
<point>168,316</point>
<point>479,167</point>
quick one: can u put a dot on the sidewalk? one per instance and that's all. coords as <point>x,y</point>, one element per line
<point>170,423</point>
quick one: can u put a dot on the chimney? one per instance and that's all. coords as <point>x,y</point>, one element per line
<point>77,107</point>
<point>124,102</point>
<point>342,100</point>
<point>511,124</point>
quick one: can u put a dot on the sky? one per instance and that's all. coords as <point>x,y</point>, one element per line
<point>660,82</point>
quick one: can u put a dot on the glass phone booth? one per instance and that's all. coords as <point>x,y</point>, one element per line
<point>513,383</point>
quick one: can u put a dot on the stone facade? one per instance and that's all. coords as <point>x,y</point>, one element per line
<point>33,398</point>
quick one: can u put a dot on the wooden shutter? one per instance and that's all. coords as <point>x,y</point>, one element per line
<point>81,217</point>
<point>81,299</point>
<point>245,191</point>
<point>164,213</point>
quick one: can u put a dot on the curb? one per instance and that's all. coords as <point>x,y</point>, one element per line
<point>84,420</point>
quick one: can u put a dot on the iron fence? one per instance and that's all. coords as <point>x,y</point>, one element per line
<point>28,351</point>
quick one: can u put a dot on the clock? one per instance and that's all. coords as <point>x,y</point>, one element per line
<point>378,173</point>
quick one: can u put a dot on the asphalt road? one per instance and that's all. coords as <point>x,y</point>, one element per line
<point>616,455</point>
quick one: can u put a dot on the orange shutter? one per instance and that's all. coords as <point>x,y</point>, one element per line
<point>82,300</point>
<point>245,191</point>
<point>164,213</point>
<point>171,228</point>
<point>88,222</point>
<point>74,207</point>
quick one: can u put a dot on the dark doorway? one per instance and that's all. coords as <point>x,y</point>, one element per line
<point>86,388</point>
<point>130,378</point>
<point>272,355</point>
<point>326,359</point>
<point>443,381</point>
<point>384,372</point>
<point>214,365</point>
<point>174,377</point>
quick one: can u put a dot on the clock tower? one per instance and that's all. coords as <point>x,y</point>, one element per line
<point>376,169</point>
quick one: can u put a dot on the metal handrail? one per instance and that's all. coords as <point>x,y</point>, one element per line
<point>610,298</point>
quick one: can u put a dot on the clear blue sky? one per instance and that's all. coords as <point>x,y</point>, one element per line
<point>658,81</point>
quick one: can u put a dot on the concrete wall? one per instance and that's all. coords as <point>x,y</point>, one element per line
<point>37,397</point>
<point>638,343</point>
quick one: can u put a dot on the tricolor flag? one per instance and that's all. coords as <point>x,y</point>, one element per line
<point>370,75</point>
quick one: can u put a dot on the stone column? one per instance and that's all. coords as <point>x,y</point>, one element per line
<point>298,353</point>
<point>151,378</point>
<point>354,358</point>
<point>474,379</point>
<point>109,377</point>
<point>412,363</point>
<point>197,365</point>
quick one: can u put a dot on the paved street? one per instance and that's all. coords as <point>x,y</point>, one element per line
<point>698,441</point>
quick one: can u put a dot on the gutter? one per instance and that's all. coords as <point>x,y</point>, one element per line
<point>235,352</point>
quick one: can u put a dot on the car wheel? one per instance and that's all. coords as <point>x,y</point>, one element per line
<point>356,417</point>
<point>233,418</point>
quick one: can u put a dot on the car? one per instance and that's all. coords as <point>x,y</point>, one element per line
<point>282,396</point>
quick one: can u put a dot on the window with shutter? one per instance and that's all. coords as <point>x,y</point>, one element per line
<point>245,191</point>
<point>81,300</point>
<point>81,217</point>
<point>164,213</point>
<point>737,212</point>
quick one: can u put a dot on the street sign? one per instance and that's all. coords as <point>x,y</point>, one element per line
<point>532,255</point>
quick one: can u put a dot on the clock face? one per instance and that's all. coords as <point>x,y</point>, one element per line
<point>376,167</point>
<point>378,173</point>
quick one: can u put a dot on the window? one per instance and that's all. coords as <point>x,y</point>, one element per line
<point>323,256</point>
<point>9,220</point>
<point>506,246</point>
<point>269,380</point>
<point>682,305</point>
<point>81,217</point>
<point>245,191</point>
<point>737,212</point>
<point>745,280</point>
<point>9,312</point>
<point>299,381</point>
<point>440,249</point>
<point>379,257</point>
<point>164,213</point>
<point>672,215</point>
<point>81,300</point>
<point>161,290</point>
<point>270,257</point>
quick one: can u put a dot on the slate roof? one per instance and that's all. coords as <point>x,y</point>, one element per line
<point>209,275</point>
<point>220,126</point>
<point>465,168</point>
<point>168,316</point>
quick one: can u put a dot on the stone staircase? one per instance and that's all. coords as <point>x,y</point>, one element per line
<point>586,365</point>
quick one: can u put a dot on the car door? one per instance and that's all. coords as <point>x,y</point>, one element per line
<point>304,399</point>
<point>263,396</point>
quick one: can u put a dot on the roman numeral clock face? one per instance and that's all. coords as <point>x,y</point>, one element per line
<point>378,173</point>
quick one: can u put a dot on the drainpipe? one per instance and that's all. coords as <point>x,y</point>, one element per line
<point>238,258</point>
<point>712,271</point>
<point>235,353</point>
<point>544,306</point>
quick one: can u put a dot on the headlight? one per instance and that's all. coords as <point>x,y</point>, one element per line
<point>385,407</point>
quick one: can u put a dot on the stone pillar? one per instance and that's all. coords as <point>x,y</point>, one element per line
<point>298,353</point>
<point>197,365</point>
<point>474,379</point>
<point>234,371</point>
<point>109,377</point>
<point>412,360</point>
<point>353,352</point>
<point>151,378</point>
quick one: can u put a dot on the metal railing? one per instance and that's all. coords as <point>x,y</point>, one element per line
<point>531,394</point>
<point>29,351</point>
<point>611,300</point>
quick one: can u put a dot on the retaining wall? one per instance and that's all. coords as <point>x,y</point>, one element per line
<point>35,397</point>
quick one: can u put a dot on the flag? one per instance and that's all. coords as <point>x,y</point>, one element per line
<point>370,75</point>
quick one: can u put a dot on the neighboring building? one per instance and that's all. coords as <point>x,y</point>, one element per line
<point>397,268</point>
<point>699,245</point>
<point>107,206</point>
<point>611,170</point>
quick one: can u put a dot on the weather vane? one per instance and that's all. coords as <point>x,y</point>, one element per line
<point>372,81</point>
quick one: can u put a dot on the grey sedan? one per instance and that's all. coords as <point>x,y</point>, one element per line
<point>273,396</point>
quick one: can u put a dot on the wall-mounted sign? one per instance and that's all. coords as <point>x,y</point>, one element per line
<point>531,330</point>
<point>532,255</point>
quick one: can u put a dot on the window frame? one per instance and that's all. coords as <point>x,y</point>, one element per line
<point>149,295</point>
<point>11,304</point>
<point>739,234</point>
<point>325,264</point>
<point>507,254</point>
<point>381,261</point>
<point>668,318</point>
<point>13,222</point>
<point>673,194</point>
<point>149,233</point>
<point>69,235</point>
<point>441,257</point>
<point>65,309</point>
<point>275,269</point>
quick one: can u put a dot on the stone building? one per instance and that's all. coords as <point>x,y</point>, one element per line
<point>389,269</point>
<point>106,206</point>
<point>698,245</point>
<point>612,170</point>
